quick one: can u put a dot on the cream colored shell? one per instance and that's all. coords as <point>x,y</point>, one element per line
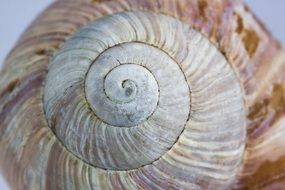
<point>157,128</point>
<point>144,94</point>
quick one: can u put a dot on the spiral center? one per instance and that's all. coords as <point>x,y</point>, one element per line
<point>119,87</point>
<point>124,95</point>
<point>130,88</point>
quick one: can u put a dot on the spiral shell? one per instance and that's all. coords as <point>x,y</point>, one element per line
<point>143,94</point>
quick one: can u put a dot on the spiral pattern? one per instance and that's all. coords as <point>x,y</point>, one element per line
<point>143,97</point>
<point>155,112</point>
<point>144,94</point>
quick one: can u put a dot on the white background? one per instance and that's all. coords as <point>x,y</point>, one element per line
<point>16,15</point>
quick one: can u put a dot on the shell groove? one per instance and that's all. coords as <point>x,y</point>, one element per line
<point>138,95</point>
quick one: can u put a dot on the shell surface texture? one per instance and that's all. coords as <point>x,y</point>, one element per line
<point>144,94</point>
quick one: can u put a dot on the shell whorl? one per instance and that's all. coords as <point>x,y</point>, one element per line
<point>161,61</point>
<point>137,95</point>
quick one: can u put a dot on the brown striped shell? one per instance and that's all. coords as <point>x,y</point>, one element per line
<point>144,94</point>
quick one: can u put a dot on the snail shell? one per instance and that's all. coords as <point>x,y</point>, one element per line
<point>143,94</point>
